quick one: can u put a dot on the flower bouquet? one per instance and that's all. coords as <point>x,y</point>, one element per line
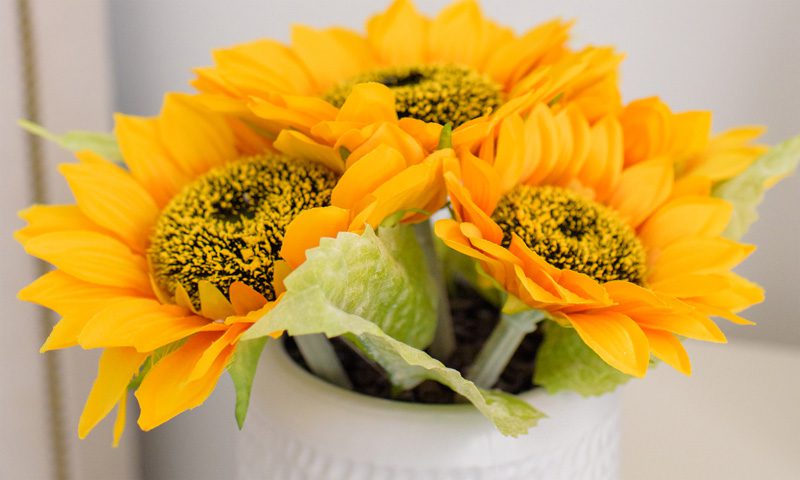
<point>409,218</point>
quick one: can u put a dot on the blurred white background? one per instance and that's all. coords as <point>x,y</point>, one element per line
<point>737,58</point>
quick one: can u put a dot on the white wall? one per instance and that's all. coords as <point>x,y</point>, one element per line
<point>73,87</point>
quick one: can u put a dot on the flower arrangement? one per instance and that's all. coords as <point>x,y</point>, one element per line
<point>353,186</point>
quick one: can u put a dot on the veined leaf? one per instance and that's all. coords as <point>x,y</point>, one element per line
<point>345,288</point>
<point>103,144</point>
<point>384,279</point>
<point>746,191</point>
<point>565,362</point>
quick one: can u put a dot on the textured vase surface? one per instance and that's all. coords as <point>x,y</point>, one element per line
<point>301,428</point>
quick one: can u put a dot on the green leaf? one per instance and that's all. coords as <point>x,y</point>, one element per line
<point>242,370</point>
<point>446,137</point>
<point>103,144</point>
<point>746,191</point>
<point>384,279</point>
<point>564,362</point>
<point>352,286</point>
<point>310,311</point>
<point>154,358</point>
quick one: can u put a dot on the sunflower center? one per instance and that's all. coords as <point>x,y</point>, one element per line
<point>572,232</point>
<point>228,225</point>
<point>432,93</point>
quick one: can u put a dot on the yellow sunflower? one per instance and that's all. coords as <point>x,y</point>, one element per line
<point>556,215</point>
<point>454,68</point>
<point>166,264</point>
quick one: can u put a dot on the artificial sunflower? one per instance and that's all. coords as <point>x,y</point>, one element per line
<point>454,68</point>
<point>167,263</point>
<point>559,218</point>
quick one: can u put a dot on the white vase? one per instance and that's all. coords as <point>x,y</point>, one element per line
<point>300,427</point>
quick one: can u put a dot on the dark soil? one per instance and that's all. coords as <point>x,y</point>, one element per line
<point>473,321</point>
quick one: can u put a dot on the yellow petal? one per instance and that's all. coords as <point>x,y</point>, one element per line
<point>330,55</point>
<point>691,285</point>
<point>119,423</point>
<point>690,134</point>
<point>259,68</point>
<point>740,294</point>
<point>308,228</point>
<point>52,218</point>
<point>363,177</point>
<point>697,255</point>
<point>147,157</point>
<point>297,145</point>
<point>450,233</point>
<point>76,301</point>
<point>616,339</point>
<point>509,63</point>
<point>509,160</point>
<point>683,218</point>
<point>642,188</point>
<point>602,168</point>
<point>92,257</point>
<point>245,299</point>
<point>660,312</point>
<point>368,103</point>
<point>388,134</point>
<point>115,370</point>
<point>165,391</point>
<point>195,138</point>
<point>669,349</point>
<point>213,351</point>
<point>213,304</point>
<point>111,198</point>
<point>647,125</point>
<point>140,323</point>
<point>298,112</point>
<point>399,35</point>
<point>417,187</point>
<point>460,35</point>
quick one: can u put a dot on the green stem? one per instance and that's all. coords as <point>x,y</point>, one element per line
<point>501,345</point>
<point>322,360</point>
<point>444,340</point>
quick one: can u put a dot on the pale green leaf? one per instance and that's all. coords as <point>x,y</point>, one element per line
<point>383,279</point>
<point>746,191</point>
<point>347,287</point>
<point>565,362</point>
<point>103,144</point>
<point>309,311</point>
<point>242,370</point>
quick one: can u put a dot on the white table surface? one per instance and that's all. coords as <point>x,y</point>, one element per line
<point>736,417</point>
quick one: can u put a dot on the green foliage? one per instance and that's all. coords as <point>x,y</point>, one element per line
<point>154,358</point>
<point>564,362</point>
<point>383,279</point>
<point>446,137</point>
<point>242,370</point>
<point>353,286</point>
<point>746,191</point>
<point>103,144</point>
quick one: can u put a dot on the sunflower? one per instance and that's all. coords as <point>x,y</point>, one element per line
<point>556,213</point>
<point>167,263</point>
<point>458,67</point>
